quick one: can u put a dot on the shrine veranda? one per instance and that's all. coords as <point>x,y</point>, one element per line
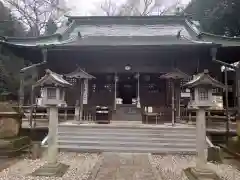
<point>128,56</point>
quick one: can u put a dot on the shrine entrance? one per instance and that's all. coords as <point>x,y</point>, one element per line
<point>127,88</point>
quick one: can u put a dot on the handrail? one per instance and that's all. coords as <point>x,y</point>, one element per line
<point>210,144</point>
<point>44,141</point>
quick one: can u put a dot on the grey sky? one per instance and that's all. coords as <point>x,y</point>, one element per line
<point>85,7</point>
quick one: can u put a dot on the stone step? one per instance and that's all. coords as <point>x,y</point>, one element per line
<point>120,134</point>
<point>127,144</point>
<point>127,131</point>
<point>125,128</point>
<point>125,138</point>
<point>84,148</point>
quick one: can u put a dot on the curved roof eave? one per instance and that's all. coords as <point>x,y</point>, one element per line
<point>61,36</point>
<point>218,39</point>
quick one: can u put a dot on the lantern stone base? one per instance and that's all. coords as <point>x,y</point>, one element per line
<point>200,174</point>
<point>57,170</point>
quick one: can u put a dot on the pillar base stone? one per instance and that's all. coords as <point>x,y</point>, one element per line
<point>56,170</point>
<point>200,174</point>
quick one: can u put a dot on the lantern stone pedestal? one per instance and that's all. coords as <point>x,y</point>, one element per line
<point>52,168</point>
<point>201,171</point>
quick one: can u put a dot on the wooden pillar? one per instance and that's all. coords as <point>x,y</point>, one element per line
<point>21,90</point>
<point>226,102</point>
<point>238,99</point>
<point>81,100</point>
<point>178,100</point>
<point>173,102</point>
<point>138,91</point>
<point>31,107</point>
<point>115,92</point>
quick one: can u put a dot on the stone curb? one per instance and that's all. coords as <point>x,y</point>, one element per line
<point>154,169</point>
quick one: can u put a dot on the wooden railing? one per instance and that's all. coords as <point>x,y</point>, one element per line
<point>40,115</point>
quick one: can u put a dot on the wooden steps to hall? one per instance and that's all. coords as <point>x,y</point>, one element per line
<point>127,112</point>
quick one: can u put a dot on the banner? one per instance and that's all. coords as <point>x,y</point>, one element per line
<point>85,92</point>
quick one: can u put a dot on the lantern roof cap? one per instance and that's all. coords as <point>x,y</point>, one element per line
<point>52,78</point>
<point>175,74</point>
<point>79,73</point>
<point>203,79</point>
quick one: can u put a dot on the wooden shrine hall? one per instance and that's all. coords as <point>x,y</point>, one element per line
<point>124,67</point>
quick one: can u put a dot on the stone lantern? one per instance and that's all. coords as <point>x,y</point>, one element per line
<point>201,99</point>
<point>53,86</point>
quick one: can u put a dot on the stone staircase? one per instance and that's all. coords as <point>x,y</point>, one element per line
<point>127,111</point>
<point>127,138</point>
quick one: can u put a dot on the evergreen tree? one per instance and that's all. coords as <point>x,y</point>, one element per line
<point>220,17</point>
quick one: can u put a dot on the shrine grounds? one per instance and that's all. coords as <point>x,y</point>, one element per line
<point>116,166</point>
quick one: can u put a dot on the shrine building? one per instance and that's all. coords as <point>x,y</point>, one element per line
<point>137,62</point>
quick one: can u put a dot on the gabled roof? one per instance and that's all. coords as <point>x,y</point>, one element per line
<point>114,31</point>
<point>175,74</point>
<point>79,74</point>
<point>52,78</point>
<point>204,79</point>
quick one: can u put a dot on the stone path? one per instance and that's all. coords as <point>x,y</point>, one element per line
<point>125,166</point>
<point>6,162</point>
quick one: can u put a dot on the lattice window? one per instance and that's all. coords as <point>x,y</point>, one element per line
<point>203,94</point>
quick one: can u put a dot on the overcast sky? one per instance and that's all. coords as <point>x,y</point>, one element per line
<point>86,7</point>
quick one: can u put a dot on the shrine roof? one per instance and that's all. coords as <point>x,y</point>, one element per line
<point>113,31</point>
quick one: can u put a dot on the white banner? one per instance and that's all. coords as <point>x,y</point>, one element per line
<point>85,92</point>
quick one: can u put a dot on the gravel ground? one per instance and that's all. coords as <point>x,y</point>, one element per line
<point>171,166</point>
<point>80,167</point>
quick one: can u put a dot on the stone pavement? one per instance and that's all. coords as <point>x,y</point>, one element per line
<point>125,166</point>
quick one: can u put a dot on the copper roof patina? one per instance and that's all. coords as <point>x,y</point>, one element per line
<point>117,31</point>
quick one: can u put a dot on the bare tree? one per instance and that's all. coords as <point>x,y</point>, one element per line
<point>34,14</point>
<point>138,7</point>
<point>109,8</point>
